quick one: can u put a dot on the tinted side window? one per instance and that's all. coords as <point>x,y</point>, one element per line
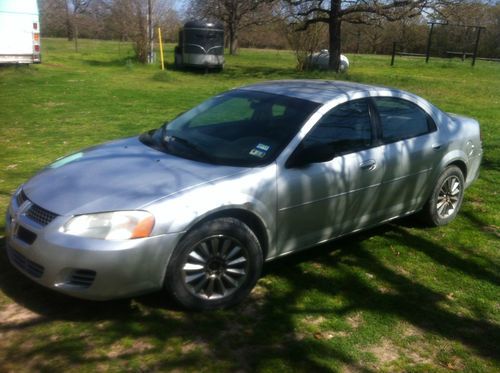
<point>401,119</point>
<point>346,127</point>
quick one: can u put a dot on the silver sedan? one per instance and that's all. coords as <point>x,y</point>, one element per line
<point>196,206</point>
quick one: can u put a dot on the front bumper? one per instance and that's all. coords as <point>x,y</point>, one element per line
<point>85,267</point>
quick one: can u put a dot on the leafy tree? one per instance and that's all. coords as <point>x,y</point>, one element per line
<point>334,12</point>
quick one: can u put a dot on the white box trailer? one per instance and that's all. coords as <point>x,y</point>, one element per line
<point>19,32</point>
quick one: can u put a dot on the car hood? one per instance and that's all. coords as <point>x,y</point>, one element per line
<point>120,175</point>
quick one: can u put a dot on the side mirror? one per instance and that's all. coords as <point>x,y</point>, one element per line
<point>317,153</point>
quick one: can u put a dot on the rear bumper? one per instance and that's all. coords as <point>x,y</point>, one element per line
<point>20,58</point>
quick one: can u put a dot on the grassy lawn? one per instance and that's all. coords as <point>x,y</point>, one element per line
<point>397,298</point>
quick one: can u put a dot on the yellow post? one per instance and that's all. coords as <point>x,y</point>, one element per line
<point>161,49</point>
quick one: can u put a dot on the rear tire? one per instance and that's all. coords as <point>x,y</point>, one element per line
<point>446,198</point>
<point>215,266</point>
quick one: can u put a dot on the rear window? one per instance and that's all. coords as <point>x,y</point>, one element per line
<point>401,119</point>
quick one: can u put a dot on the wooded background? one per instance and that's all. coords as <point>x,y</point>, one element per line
<point>352,26</point>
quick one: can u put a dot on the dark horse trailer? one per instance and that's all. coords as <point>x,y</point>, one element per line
<point>201,44</point>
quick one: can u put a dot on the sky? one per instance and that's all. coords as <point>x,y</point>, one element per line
<point>180,5</point>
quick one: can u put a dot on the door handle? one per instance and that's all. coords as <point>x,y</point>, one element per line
<point>436,146</point>
<point>369,165</point>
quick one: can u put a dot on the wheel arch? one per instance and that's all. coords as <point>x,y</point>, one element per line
<point>456,157</point>
<point>453,159</point>
<point>461,165</point>
<point>252,220</point>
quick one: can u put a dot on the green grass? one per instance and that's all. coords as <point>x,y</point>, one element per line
<point>397,298</point>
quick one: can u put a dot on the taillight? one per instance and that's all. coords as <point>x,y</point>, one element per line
<point>36,42</point>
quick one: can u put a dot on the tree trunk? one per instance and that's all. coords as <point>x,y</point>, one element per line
<point>334,28</point>
<point>233,28</point>
<point>69,27</point>
<point>233,40</point>
<point>75,34</point>
<point>358,41</point>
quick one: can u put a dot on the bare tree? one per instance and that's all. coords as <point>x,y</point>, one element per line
<point>236,15</point>
<point>53,18</point>
<point>334,12</point>
<point>128,20</point>
<point>74,10</point>
<point>305,43</point>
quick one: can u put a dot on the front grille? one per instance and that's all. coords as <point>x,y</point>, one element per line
<point>82,278</point>
<point>26,265</point>
<point>25,235</point>
<point>21,198</point>
<point>40,215</point>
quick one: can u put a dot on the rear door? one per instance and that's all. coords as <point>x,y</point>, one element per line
<point>411,151</point>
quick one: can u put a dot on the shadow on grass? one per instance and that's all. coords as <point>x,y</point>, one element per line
<point>266,72</point>
<point>239,72</point>
<point>117,62</point>
<point>260,333</point>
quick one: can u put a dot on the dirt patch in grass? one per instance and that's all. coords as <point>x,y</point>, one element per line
<point>412,331</point>
<point>402,271</point>
<point>385,351</point>
<point>196,346</point>
<point>314,320</point>
<point>252,306</point>
<point>416,353</point>
<point>13,314</point>
<point>329,334</point>
<point>492,229</point>
<point>455,363</point>
<point>387,290</point>
<point>355,320</point>
<point>138,347</point>
<point>351,368</point>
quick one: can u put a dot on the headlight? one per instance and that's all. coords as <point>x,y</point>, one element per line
<point>118,225</point>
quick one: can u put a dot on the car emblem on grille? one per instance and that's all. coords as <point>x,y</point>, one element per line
<point>16,217</point>
<point>22,209</point>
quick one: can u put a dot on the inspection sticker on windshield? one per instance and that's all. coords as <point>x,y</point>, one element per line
<point>260,150</point>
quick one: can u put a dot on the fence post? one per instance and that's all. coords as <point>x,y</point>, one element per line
<point>476,46</point>
<point>429,41</point>
<point>161,49</point>
<point>393,52</point>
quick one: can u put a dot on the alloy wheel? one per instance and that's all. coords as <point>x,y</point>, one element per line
<point>215,267</point>
<point>448,197</point>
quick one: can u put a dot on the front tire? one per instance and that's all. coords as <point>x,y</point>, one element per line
<point>446,198</point>
<point>215,266</point>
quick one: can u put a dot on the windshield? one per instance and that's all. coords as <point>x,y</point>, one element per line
<point>240,128</point>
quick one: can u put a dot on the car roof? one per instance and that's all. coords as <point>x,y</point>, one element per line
<point>320,91</point>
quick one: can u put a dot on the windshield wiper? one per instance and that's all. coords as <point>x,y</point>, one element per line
<point>201,154</point>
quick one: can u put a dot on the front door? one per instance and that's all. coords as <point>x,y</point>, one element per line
<point>319,201</point>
